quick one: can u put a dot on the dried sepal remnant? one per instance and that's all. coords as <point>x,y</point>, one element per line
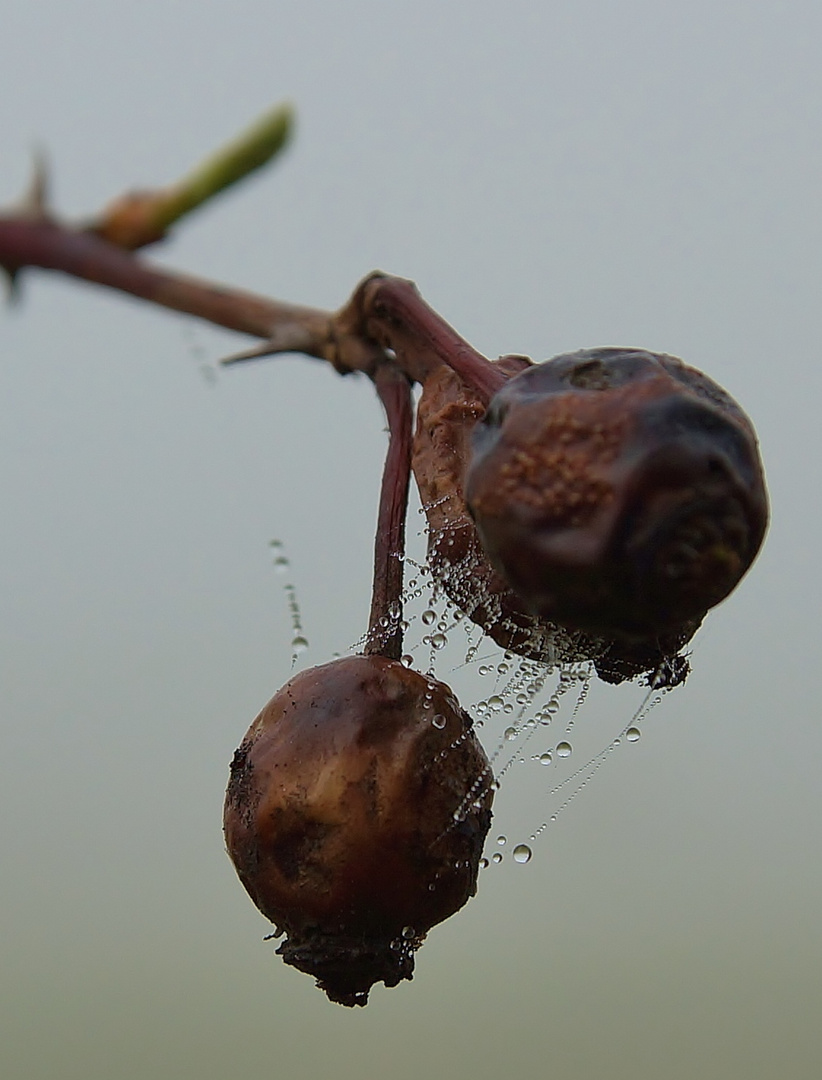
<point>355,815</point>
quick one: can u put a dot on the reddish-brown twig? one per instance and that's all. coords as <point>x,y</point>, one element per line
<point>47,244</point>
<point>385,635</point>
<point>398,318</point>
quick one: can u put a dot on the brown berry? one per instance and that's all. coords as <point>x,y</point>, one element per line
<point>699,534</point>
<point>355,815</point>
<point>619,492</point>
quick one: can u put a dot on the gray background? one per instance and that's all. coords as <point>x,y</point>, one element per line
<point>553,176</point>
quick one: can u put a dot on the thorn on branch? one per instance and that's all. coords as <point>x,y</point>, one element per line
<point>32,207</point>
<point>11,279</point>
<point>34,204</point>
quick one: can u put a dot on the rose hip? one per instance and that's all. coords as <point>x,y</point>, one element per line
<point>619,492</point>
<point>355,815</point>
<point>643,438</point>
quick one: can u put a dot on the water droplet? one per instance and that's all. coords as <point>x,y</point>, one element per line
<point>438,720</point>
<point>563,749</point>
<point>496,857</point>
<point>484,669</point>
<point>495,702</point>
<point>546,758</point>
<point>522,853</point>
<point>299,644</point>
<point>633,734</point>
<point>408,932</point>
<point>281,564</point>
<point>429,616</point>
<point>408,660</point>
<point>502,840</point>
<point>508,708</point>
<point>394,609</point>
<point>510,733</point>
<point>502,669</point>
<point>483,863</point>
<point>439,641</point>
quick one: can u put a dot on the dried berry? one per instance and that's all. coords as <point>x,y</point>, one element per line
<point>355,815</point>
<point>664,443</point>
<point>619,492</point>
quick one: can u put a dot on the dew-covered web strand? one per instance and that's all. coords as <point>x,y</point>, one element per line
<point>581,698</point>
<point>515,684</point>
<point>631,732</point>
<point>440,618</point>
<point>636,718</point>
<point>524,730</point>
<point>524,681</point>
<point>542,717</point>
<point>282,565</point>
<point>190,333</point>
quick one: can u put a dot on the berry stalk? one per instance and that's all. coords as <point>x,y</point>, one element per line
<point>399,319</point>
<point>385,636</point>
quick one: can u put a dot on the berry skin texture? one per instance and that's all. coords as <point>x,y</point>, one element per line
<point>619,492</point>
<point>355,816</point>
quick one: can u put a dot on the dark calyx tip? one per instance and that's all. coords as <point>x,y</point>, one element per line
<point>346,968</point>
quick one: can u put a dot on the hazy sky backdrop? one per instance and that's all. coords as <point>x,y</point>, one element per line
<point>553,175</point>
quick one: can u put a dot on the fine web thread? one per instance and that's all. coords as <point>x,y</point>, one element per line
<point>509,718</point>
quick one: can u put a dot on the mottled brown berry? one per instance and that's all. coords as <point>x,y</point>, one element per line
<point>619,492</point>
<point>355,815</point>
<point>661,438</point>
